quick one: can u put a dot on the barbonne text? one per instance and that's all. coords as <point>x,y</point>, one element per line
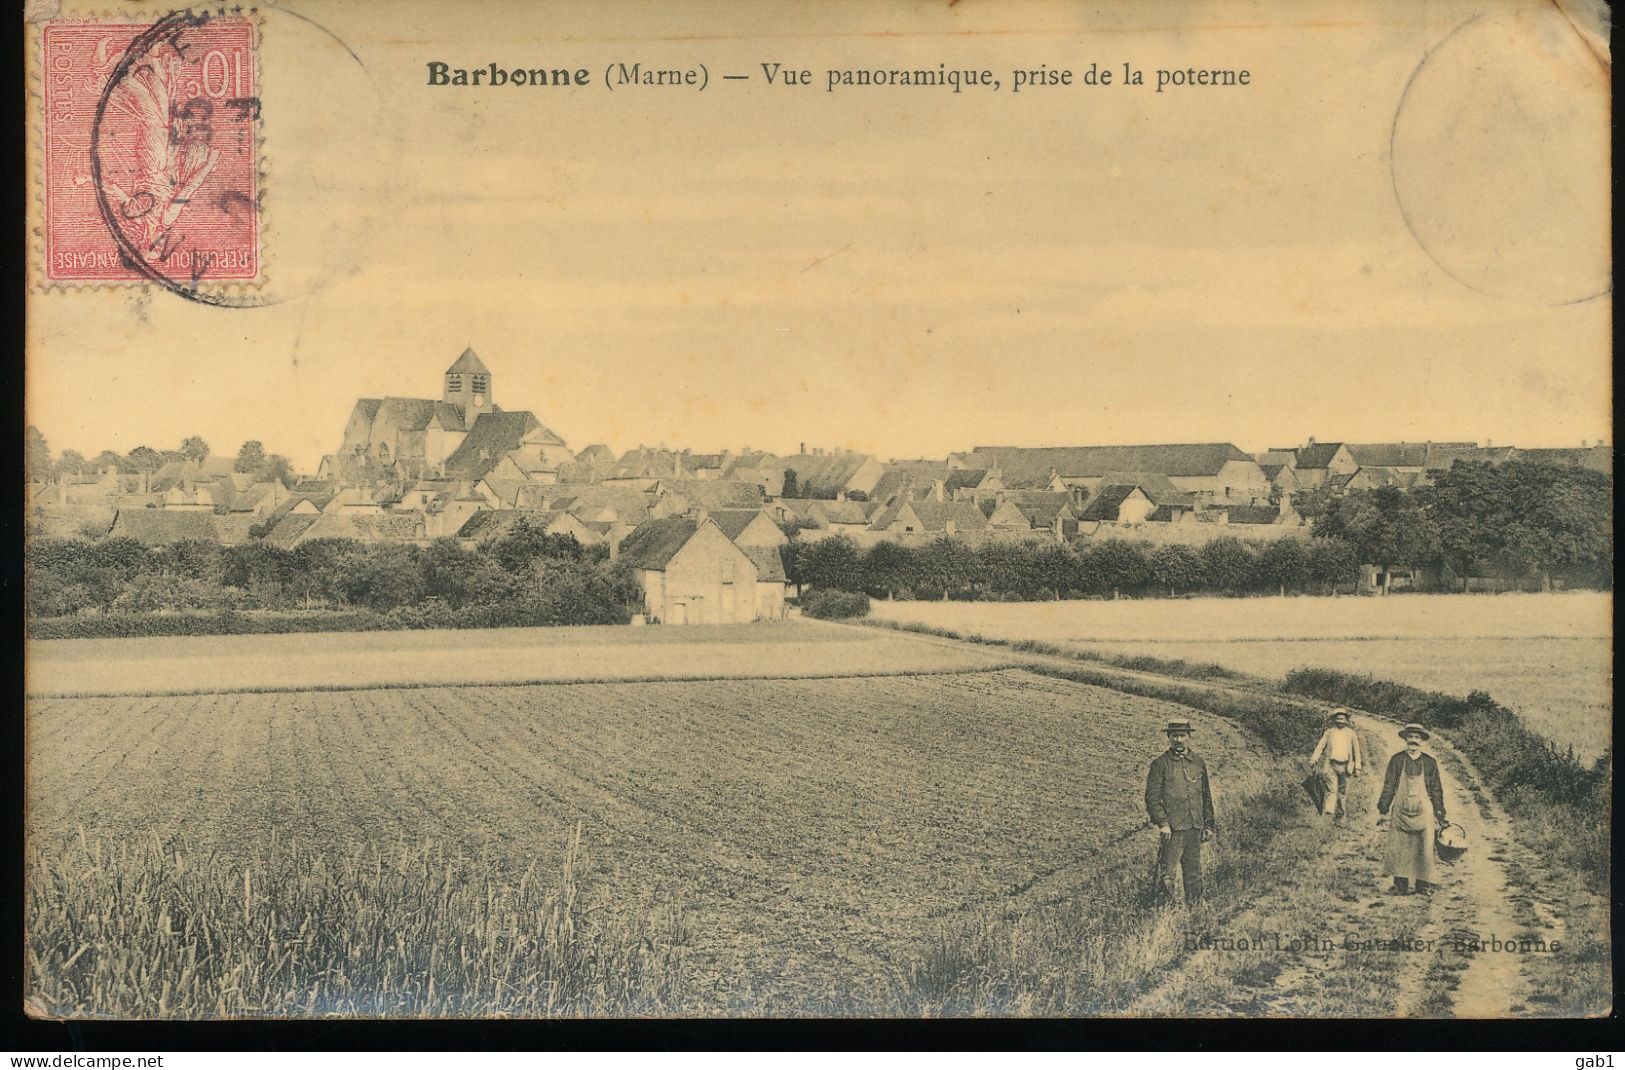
<point>621,75</point>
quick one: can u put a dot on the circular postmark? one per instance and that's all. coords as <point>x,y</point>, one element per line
<point>1500,158</point>
<point>174,157</point>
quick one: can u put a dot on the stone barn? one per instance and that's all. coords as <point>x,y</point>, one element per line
<point>691,573</point>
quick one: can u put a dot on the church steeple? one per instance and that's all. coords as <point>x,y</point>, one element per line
<point>468,385</point>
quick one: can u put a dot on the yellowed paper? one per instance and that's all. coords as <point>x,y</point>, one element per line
<point>825,238</point>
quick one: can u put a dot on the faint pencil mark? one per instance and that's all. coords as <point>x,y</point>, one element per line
<point>825,257</point>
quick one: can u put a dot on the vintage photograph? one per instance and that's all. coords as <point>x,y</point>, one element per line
<point>904,509</point>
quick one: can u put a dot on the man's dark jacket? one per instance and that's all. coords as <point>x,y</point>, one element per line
<point>1430,778</point>
<point>1177,793</point>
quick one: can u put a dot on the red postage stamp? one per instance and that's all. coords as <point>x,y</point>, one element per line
<point>151,144</point>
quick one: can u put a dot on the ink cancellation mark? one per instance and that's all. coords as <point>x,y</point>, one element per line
<point>151,152</point>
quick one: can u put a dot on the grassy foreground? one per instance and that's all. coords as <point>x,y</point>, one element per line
<point>295,935</point>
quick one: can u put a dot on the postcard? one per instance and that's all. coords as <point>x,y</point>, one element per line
<point>702,509</point>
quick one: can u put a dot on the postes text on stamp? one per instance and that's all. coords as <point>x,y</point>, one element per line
<point>151,170</point>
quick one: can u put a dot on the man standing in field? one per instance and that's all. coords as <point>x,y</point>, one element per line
<point>1180,803</point>
<point>1340,747</point>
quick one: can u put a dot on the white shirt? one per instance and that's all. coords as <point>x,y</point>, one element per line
<point>1339,745</point>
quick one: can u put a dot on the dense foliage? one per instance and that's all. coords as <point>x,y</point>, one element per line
<point>950,568</point>
<point>1518,521</point>
<point>835,605</point>
<point>526,578</point>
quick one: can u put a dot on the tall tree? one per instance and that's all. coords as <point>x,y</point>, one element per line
<point>1178,568</point>
<point>36,455</point>
<point>250,457</point>
<point>108,459</point>
<point>71,463</point>
<point>145,459</point>
<point>277,467</point>
<point>1387,527</point>
<point>830,564</point>
<point>195,449</point>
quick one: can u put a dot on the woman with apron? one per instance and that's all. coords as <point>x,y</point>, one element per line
<point>1415,795</point>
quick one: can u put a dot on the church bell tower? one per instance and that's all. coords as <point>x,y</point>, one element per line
<point>468,386</point>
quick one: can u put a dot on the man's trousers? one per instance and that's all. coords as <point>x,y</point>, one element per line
<point>1337,786</point>
<point>1184,849</point>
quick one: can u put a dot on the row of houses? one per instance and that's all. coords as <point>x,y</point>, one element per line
<point>1344,466</point>
<point>460,466</point>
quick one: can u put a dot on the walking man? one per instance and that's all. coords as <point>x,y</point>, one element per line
<point>1340,747</point>
<point>1180,803</point>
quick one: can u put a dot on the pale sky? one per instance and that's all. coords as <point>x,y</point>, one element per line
<point>899,270</point>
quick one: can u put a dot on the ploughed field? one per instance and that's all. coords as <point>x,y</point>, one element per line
<point>805,838</point>
<point>1547,656</point>
<point>64,667</point>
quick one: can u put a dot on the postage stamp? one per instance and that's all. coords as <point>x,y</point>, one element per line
<point>151,146</point>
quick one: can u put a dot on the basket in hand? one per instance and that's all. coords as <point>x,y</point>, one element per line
<point>1450,842</point>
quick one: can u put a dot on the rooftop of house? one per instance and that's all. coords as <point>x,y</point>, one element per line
<point>1031,468</point>
<point>653,543</point>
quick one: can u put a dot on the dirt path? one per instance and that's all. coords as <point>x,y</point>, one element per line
<point>1472,904</point>
<point>1356,956</point>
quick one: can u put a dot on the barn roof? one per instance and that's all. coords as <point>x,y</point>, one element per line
<point>733,522</point>
<point>934,516</point>
<point>156,527</point>
<point>1400,454</point>
<point>716,493</point>
<point>1040,514</point>
<point>1156,486</point>
<point>843,512</point>
<point>769,565</point>
<point>654,543</point>
<point>290,529</point>
<point>823,475</point>
<point>1106,502</point>
<point>489,524</point>
<point>1026,467</point>
<point>1318,454</point>
<point>964,479</point>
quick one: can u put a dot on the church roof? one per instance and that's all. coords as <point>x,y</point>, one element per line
<point>408,414</point>
<point>494,435</point>
<point>469,362</point>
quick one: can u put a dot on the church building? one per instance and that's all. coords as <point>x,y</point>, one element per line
<point>464,434</point>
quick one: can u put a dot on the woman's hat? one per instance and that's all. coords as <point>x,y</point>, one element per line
<point>1414,729</point>
<point>1178,726</point>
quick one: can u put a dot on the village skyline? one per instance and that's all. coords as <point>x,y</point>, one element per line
<point>225,433</point>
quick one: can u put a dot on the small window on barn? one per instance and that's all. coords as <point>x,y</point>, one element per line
<point>727,572</point>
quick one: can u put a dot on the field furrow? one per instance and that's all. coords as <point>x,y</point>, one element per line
<point>809,832</point>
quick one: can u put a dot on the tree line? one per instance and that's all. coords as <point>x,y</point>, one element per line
<point>40,466</point>
<point>526,577</point>
<point>1522,521</point>
<point>1029,571</point>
